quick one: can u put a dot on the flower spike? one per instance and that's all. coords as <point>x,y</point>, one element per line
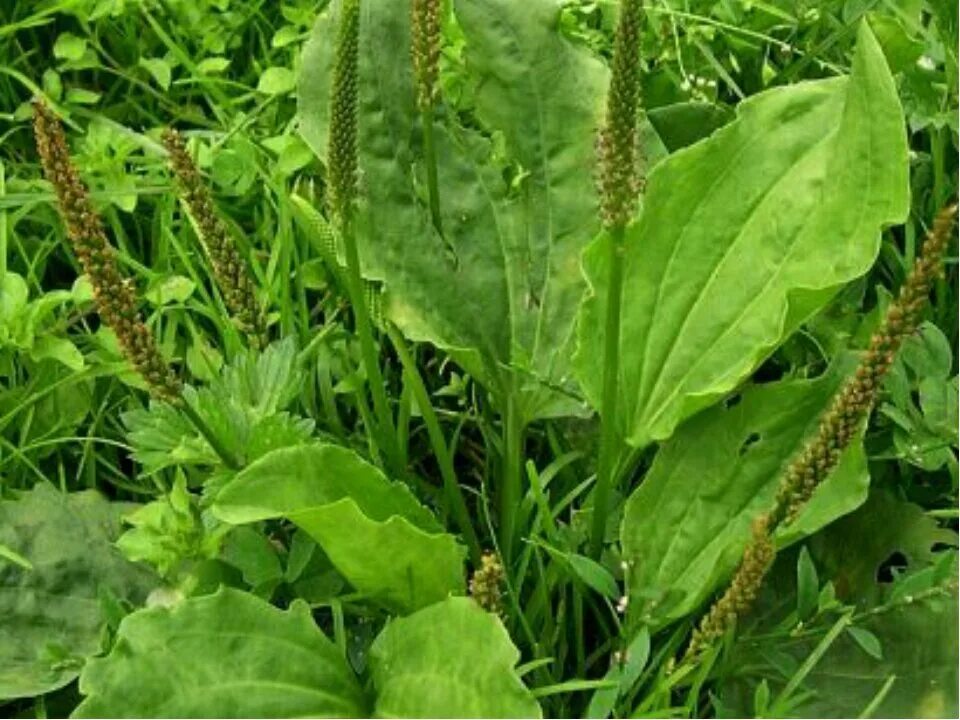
<point>229,269</point>
<point>837,429</point>
<point>115,295</point>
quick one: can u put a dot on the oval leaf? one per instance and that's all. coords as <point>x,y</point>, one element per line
<point>451,659</point>
<point>374,531</point>
<point>227,655</point>
<point>743,236</point>
<point>58,561</point>
<point>502,286</point>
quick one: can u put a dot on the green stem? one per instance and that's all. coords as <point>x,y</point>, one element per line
<point>609,442</point>
<point>228,458</point>
<point>430,153</point>
<point>385,432</point>
<point>458,504</point>
<point>512,468</point>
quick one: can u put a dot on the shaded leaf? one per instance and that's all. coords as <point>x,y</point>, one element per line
<point>501,288</point>
<point>919,643</point>
<point>50,609</point>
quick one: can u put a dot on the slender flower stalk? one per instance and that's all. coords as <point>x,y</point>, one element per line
<point>229,269</point>
<point>342,177</point>
<point>618,185</point>
<point>425,45</point>
<point>837,429</point>
<point>114,294</point>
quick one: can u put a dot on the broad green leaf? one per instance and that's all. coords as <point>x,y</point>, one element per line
<point>374,531</point>
<point>69,47</point>
<point>501,288</point>
<point>743,236</point>
<point>58,565</point>
<point>451,659</point>
<point>227,655</point>
<point>685,528</point>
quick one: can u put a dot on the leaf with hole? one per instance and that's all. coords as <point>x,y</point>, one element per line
<point>684,529</point>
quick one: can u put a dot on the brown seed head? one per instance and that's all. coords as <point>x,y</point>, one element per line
<point>115,296</point>
<point>229,269</point>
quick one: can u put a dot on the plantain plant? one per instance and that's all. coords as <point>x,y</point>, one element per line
<point>571,257</point>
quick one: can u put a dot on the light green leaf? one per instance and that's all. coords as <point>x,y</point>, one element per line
<point>64,565</point>
<point>451,659</point>
<point>685,528</point>
<point>14,297</point>
<point>159,69</point>
<point>59,349</point>
<point>743,236</point>
<point>374,531</point>
<point>285,35</point>
<point>212,65</point>
<point>81,96</point>
<point>227,655</point>
<point>277,81</point>
<point>502,287</point>
<point>172,289</point>
<point>867,641</point>
<point>69,47</point>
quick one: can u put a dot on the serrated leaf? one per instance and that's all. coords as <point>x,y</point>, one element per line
<point>374,531</point>
<point>50,616</point>
<point>451,659</point>
<point>684,529</point>
<point>228,655</point>
<point>742,237</point>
